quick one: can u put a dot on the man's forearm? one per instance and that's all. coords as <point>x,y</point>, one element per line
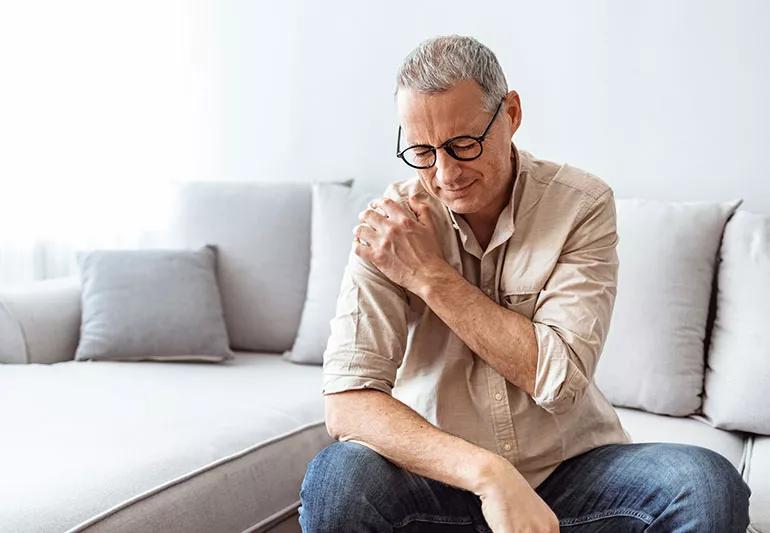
<point>397,432</point>
<point>503,338</point>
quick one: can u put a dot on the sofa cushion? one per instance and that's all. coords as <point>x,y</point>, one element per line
<point>160,304</point>
<point>262,234</point>
<point>653,355</point>
<point>738,362</point>
<point>198,448</point>
<point>694,429</point>
<point>757,476</point>
<point>335,214</point>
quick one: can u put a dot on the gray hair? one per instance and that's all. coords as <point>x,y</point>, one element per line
<point>440,62</point>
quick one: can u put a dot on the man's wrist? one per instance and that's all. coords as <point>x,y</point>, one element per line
<point>435,275</point>
<point>487,467</point>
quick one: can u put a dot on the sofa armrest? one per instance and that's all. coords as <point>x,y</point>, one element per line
<point>40,321</point>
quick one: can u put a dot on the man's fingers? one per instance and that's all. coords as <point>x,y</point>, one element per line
<point>364,233</point>
<point>376,207</point>
<point>362,250</point>
<point>372,217</point>
<point>394,210</point>
<point>421,209</point>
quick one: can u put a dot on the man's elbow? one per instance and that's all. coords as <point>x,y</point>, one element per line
<point>342,409</point>
<point>331,416</point>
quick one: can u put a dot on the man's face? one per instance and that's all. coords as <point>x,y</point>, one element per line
<point>477,186</point>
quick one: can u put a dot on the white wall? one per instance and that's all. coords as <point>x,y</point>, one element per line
<point>102,104</point>
<point>662,99</point>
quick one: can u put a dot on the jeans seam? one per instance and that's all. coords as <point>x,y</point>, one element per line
<point>606,514</point>
<point>432,518</point>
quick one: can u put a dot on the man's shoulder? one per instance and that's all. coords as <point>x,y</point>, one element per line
<point>565,177</point>
<point>403,188</point>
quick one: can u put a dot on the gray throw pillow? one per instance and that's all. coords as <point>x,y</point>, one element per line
<point>156,304</point>
<point>334,214</point>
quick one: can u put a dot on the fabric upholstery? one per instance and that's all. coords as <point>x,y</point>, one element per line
<point>262,234</point>
<point>40,320</point>
<point>198,447</point>
<point>334,215</point>
<point>738,363</point>
<point>161,304</point>
<point>757,475</point>
<point>653,355</point>
<point>694,429</point>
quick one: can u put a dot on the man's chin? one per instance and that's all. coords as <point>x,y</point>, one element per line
<point>460,205</point>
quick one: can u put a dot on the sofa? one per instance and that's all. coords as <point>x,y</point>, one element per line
<point>199,447</point>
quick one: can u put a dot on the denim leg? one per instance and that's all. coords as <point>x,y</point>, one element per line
<point>651,487</point>
<point>350,487</point>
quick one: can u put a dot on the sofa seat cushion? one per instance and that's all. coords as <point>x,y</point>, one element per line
<point>149,446</point>
<point>649,427</point>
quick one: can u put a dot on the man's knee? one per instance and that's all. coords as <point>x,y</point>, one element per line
<point>345,462</point>
<point>709,484</point>
<point>341,482</point>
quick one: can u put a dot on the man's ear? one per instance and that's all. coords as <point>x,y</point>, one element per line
<point>513,109</point>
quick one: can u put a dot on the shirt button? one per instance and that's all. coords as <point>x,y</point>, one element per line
<point>498,396</point>
<point>507,446</point>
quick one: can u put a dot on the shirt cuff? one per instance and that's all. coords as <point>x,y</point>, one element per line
<point>360,370</point>
<point>344,383</point>
<point>559,383</point>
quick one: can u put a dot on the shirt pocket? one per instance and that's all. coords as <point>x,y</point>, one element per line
<point>520,302</point>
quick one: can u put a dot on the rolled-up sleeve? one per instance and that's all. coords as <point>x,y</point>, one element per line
<point>368,332</point>
<point>574,308</point>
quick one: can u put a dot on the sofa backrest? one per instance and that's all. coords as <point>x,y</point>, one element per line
<point>262,234</point>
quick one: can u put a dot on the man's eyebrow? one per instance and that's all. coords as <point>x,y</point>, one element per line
<point>422,143</point>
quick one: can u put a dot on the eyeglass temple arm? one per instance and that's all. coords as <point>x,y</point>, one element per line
<point>486,130</point>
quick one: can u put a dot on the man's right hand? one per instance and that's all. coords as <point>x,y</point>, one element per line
<point>508,502</point>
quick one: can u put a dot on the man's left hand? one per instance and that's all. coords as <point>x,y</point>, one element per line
<point>401,240</point>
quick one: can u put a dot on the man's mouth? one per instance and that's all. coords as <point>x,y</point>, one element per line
<point>461,189</point>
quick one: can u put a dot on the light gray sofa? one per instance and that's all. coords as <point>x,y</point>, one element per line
<point>202,447</point>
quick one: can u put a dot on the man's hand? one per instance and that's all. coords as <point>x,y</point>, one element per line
<point>401,241</point>
<point>509,504</point>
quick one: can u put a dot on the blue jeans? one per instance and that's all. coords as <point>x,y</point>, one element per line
<point>613,488</point>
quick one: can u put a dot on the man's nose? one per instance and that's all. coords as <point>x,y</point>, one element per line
<point>447,169</point>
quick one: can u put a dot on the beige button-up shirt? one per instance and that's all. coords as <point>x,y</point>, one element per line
<point>552,258</point>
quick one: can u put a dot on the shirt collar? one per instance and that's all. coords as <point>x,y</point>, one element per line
<point>507,214</point>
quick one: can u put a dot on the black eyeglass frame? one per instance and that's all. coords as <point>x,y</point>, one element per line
<point>445,144</point>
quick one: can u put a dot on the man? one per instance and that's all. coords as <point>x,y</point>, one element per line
<point>458,378</point>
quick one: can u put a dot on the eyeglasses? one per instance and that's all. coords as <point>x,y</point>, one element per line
<point>462,147</point>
